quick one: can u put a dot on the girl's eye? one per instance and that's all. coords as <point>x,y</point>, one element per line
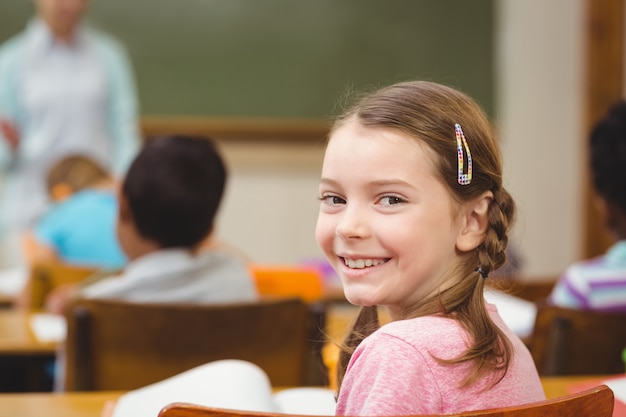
<point>332,200</point>
<point>391,200</point>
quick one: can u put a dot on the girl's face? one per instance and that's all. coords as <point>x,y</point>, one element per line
<point>386,223</point>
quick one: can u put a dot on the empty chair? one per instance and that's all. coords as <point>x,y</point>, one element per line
<point>113,345</point>
<point>596,402</point>
<point>578,342</point>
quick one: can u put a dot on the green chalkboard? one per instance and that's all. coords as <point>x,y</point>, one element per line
<point>288,58</point>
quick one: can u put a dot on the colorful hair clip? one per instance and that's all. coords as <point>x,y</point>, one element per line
<point>464,179</point>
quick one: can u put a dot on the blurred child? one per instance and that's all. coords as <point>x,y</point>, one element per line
<point>80,226</point>
<point>414,218</point>
<point>167,207</point>
<point>600,283</point>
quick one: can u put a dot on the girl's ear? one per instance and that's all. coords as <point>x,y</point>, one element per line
<point>475,220</point>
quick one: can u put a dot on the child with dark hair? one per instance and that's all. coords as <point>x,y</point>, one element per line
<point>167,207</point>
<point>600,283</point>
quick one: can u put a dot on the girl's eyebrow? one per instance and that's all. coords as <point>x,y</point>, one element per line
<point>376,183</point>
<point>328,181</point>
<point>392,182</point>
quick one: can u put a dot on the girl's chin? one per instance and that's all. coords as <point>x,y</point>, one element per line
<point>359,299</point>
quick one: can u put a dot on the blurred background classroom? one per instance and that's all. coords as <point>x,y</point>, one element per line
<point>265,78</point>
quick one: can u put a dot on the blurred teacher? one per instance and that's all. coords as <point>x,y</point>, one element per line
<point>64,88</point>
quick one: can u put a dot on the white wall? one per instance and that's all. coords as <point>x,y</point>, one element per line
<point>271,207</point>
<point>271,204</point>
<point>539,103</point>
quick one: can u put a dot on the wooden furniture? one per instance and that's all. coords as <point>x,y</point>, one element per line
<point>91,403</point>
<point>23,358</point>
<point>306,283</point>
<point>44,277</point>
<point>17,338</point>
<point>596,402</point>
<point>535,288</point>
<point>578,342</point>
<point>604,85</point>
<point>74,404</point>
<point>115,345</point>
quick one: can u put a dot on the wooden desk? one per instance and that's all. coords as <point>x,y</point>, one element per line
<point>6,301</point>
<point>73,404</point>
<point>90,404</point>
<point>16,337</point>
<point>557,386</point>
<point>24,361</point>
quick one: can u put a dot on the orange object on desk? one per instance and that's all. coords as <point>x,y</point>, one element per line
<point>289,281</point>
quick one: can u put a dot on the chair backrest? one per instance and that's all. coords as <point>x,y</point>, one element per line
<point>288,281</point>
<point>306,283</point>
<point>595,402</point>
<point>113,345</point>
<point>578,342</point>
<point>530,288</point>
<point>46,276</point>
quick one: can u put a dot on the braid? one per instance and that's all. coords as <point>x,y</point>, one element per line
<point>491,254</point>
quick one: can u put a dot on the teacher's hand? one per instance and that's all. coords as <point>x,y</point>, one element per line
<point>10,133</point>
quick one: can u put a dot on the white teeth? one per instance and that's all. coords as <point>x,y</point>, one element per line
<point>362,263</point>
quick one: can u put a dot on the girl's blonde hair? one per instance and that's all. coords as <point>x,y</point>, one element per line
<point>428,112</point>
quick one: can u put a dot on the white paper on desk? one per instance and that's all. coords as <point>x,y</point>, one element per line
<point>618,385</point>
<point>233,384</point>
<point>516,313</point>
<point>48,328</point>
<point>12,280</point>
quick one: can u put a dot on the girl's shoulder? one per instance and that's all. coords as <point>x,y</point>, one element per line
<point>425,332</point>
<point>432,322</point>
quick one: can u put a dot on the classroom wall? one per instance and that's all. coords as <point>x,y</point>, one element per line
<point>539,97</point>
<point>539,78</point>
<point>270,206</point>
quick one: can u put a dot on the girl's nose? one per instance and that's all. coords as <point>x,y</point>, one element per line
<point>353,224</point>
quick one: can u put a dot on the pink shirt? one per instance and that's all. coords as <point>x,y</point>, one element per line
<point>393,372</point>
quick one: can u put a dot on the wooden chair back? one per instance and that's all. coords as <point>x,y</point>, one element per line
<point>531,288</point>
<point>578,342</point>
<point>306,283</point>
<point>113,345</point>
<point>46,276</point>
<point>595,402</point>
<point>288,281</point>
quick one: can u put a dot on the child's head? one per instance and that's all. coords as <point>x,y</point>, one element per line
<point>608,159</point>
<point>397,151</point>
<point>72,174</point>
<point>172,191</point>
<point>414,215</point>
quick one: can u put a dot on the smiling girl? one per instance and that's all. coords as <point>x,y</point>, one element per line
<point>413,218</point>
